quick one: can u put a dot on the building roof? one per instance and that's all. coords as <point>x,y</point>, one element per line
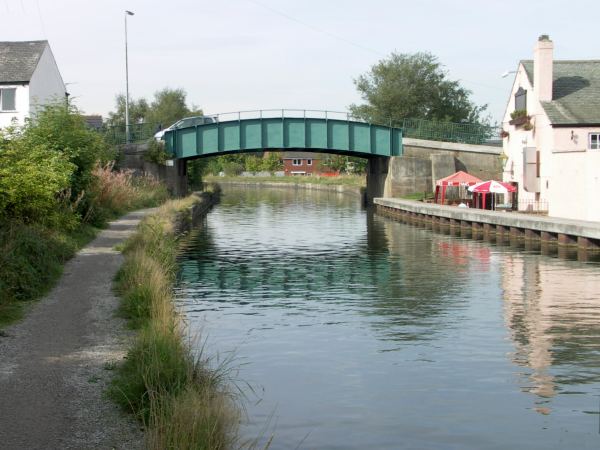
<point>575,92</point>
<point>301,155</point>
<point>93,121</point>
<point>18,60</point>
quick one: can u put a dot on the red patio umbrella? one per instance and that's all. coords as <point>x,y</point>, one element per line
<point>493,187</point>
<point>459,178</point>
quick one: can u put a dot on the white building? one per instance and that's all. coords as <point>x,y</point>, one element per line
<point>29,78</point>
<point>553,140</point>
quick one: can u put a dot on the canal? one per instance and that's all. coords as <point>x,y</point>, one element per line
<point>347,330</point>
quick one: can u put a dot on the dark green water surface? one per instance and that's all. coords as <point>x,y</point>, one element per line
<point>358,332</point>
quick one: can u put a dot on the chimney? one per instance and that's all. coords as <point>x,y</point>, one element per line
<point>543,68</point>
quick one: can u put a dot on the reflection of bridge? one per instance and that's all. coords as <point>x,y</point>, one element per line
<point>251,131</point>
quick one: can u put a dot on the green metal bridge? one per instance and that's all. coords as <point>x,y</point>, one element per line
<point>251,131</point>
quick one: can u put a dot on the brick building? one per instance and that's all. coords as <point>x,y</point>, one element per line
<point>301,163</point>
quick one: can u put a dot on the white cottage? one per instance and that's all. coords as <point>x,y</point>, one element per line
<point>551,131</point>
<point>29,78</point>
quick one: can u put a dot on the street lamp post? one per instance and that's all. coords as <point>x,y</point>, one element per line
<point>127,13</point>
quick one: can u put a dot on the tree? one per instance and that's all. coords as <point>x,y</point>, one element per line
<point>138,110</point>
<point>169,106</point>
<point>272,162</point>
<point>413,86</point>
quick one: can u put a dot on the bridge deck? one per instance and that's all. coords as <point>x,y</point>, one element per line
<point>322,134</point>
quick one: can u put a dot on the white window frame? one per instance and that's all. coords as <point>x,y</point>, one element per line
<point>15,99</point>
<point>309,162</point>
<point>296,162</point>
<point>596,145</point>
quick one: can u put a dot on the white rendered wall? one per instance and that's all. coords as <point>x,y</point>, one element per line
<point>576,182</point>
<point>46,84</point>
<point>21,104</point>
<point>518,138</point>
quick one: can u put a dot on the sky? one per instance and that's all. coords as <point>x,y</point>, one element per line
<point>232,55</point>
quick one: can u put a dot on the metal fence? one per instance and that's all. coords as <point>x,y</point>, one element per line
<point>467,133</point>
<point>138,132</point>
<point>533,206</point>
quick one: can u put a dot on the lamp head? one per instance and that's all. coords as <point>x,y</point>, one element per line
<point>129,13</point>
<point>508,72</point>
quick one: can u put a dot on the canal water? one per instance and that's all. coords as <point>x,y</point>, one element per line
<point>350,331</point>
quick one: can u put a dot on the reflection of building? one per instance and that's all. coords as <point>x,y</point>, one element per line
<point>553,315</point>
<point>29,78</point>
<point>551,131</point>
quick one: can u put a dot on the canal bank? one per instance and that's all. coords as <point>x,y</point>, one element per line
<point>180,399</point>
<point>547,230</point>
<point>347,189</point>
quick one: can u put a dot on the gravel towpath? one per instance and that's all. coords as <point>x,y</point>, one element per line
<point>57,362</point>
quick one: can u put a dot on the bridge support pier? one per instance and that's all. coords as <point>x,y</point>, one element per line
<point>377,178</point>
<point>176,178</point>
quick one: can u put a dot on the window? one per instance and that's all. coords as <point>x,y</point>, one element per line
<point>521,100</point>
<point>594,141</point>
<point>7,99</point>
<point>296,162</point>
<point>309,162</point>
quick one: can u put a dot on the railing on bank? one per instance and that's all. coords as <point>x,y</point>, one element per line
<point>138,132</point>
<point>533,206</point>
<point>468,133</point>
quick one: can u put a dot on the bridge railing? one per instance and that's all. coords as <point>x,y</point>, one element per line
<point>286,113</point>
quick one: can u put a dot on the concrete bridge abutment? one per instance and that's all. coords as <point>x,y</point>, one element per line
<point>423,162</point>
<point>377,178</point>
<point>174,177</point>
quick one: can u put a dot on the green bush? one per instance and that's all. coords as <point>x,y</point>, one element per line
<point>32,179</point>
<point>232,168</point>
<point>156,152</point>
<point>63,130</point>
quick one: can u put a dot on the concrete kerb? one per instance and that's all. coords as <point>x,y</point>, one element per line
<point>564,232</point>
<point>188,219</point>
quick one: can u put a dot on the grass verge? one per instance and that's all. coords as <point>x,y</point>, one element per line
<point>418,196</point>
<point>182,402</point>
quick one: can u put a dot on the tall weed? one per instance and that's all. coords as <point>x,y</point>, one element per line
<point>113,192</point>
<point>183,403</point>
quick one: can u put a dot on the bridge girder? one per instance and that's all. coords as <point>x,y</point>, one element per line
<point>285,133</point>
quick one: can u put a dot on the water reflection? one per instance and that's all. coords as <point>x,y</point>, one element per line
<point>552,310</point>
<point>361,332</point>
